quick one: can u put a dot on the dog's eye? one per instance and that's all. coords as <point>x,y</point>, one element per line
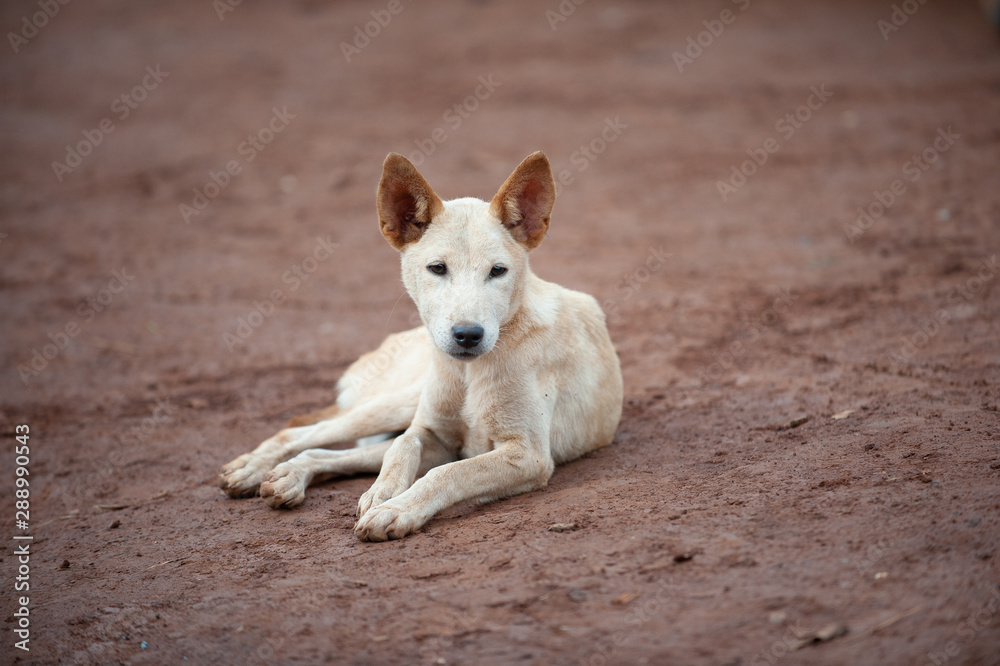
<point>498,271</point>
<point>438,269</point>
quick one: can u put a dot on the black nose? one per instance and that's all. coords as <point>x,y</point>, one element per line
<point>468,335</point>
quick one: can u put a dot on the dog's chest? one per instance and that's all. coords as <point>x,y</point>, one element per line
<point>462,430</point>
<point>475,443</point>
<point>464,417</point>
<point>465,434</point>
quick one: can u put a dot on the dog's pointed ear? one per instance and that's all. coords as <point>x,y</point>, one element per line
<point>406,203</point>
<point>524,202</point>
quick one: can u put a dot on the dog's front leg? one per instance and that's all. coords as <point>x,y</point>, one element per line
<point>509,469</point>
<point>399,470</point>
<point>412,454</point>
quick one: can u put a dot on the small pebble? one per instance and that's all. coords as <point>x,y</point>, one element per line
<point>288,183</point>
<point>850,119</point>
<point>563,527</point>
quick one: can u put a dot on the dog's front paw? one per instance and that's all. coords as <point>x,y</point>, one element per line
<point>284,487</point>
<point>387,521</point>
<point>380,493</point>
<point>242,477</point>
<point>369,500</point>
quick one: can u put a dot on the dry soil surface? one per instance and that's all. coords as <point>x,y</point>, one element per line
<point>810,439</point>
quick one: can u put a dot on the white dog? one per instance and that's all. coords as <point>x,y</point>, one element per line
<point>510,375</point>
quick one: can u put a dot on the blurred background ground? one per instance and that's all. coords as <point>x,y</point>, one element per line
<point>720,528</point>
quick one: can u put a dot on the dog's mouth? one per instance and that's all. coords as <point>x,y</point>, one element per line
<point>464,356</point>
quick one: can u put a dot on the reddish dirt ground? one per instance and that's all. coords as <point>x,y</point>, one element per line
<point>718,528</point>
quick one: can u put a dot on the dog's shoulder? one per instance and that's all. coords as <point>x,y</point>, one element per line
<point>567,327</point>
<point>558,305</point>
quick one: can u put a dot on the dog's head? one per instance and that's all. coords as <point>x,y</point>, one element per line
<point>465,261</point>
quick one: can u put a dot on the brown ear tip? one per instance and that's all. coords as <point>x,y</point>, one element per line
<point>394,158</point>
<point>538,162</point>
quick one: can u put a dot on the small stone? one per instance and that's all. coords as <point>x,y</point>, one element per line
<point>563,527</point>
<point>288,183</point>
<point>625,599</point>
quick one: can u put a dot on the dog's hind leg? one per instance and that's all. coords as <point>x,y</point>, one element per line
<point>284,487</point>
<point>389,413</point>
